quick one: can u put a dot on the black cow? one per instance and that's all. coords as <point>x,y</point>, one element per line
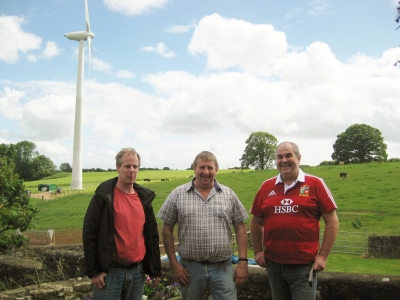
<point>343,175</point>
<point>147,179</point>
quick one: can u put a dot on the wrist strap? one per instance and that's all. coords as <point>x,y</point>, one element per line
<point>243,259</point>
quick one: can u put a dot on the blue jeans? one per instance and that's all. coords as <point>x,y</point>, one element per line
<point>290,282</point>
<point>219,276</point>
<point>121,284</point>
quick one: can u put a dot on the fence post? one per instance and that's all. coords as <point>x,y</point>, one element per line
<point>249,243</point>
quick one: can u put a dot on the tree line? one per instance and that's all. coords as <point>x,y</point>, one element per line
<point>359,143</point>
<point>31,165</point>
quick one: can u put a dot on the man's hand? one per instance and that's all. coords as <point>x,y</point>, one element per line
<point>181,275</point>
<point>241,273</point>
<point>260,259</point>
<point>319,263</point>
<point>98,280</point>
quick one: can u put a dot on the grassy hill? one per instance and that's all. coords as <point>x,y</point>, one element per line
<point>369,196</point>
<point>368,201</point>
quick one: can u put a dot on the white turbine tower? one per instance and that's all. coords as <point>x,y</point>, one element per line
<point>80,36</point>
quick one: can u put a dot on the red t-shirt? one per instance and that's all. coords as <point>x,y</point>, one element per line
<point>128,223</point>
<point>291,220</point>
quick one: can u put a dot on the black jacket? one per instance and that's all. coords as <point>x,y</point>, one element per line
<point>98,231</point>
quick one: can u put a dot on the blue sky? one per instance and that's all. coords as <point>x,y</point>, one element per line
<point>173,78</point>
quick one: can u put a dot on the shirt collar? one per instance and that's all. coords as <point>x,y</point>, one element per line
<point>300,177</point>
<point>216,185</point>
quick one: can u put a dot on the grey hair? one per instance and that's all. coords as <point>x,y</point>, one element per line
<point>295,148</point>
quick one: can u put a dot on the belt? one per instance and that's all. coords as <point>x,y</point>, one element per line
<point>125,266</point>
<point>206,262</point>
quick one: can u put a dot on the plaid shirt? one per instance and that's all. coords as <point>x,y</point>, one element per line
<point>204,227</point>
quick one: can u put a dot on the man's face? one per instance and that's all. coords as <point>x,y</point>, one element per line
<point>287,162</point>
<point>128,170</point>
<point>205,171</point>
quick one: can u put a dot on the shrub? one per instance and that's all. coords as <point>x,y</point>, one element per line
<point>162,291</point>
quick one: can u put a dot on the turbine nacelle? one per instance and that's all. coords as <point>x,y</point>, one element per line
<point>79,35</point>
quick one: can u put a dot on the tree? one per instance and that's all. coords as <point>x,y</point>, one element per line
<point>29,164</point>
<point>65,167</point>
<point>41,166</point>
<point>15,211</point>
<point>25,153</point>
<point>358,144</point>
<point>8,151</point>
<point>260,151</point>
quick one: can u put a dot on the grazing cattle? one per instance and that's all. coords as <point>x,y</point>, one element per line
<point>343,175</point>
<point>147,179</point>
<point>341,163</point>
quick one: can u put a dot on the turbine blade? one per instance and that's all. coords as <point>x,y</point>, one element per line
<point>89,40</point>
<point>87,17</point>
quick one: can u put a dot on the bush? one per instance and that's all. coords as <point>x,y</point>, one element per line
<point>328,163</point>
<point>394,159</point>
<point>13,241</point>
<point>162,291</point>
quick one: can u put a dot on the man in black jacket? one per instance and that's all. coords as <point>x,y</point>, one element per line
<point>120,236</point>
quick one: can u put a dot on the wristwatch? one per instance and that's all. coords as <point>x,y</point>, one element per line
<point>243,259</point>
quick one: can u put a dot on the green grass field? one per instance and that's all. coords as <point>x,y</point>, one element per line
<point>369,197</point>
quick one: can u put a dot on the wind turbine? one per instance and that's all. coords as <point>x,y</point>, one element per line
<point>80,36</point>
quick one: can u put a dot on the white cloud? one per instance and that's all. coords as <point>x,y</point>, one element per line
<point>318,7</point>
<point>160,49</point>
<point>125,74</point>
<point>230,43</point>
<point>14,39</point>
<point>98,64</point>
<point>147,136</point>
<point>32,57</point>
<point>48,118</point>
<point>58,153</point>
<point>50,50</point>
<point>10,106</point>
<point>130,8</point>
<point>179,28</point>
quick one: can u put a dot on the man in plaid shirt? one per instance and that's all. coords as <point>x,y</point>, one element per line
<point>205,211</point>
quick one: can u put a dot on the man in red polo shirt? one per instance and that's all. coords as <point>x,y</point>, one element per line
<point>285,227</point>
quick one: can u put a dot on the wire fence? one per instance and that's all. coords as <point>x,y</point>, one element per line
<point>347,242</point>
<point>350,242</point>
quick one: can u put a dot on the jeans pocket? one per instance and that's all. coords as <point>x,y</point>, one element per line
<point>183,262</point>
<point>141,267</point>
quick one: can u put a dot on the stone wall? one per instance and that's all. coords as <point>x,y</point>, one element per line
<point>384,246</point>
<point>67,262</point>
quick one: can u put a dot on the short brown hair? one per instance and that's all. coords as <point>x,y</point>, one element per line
<point>118,157</point>
<point>206,155</point>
